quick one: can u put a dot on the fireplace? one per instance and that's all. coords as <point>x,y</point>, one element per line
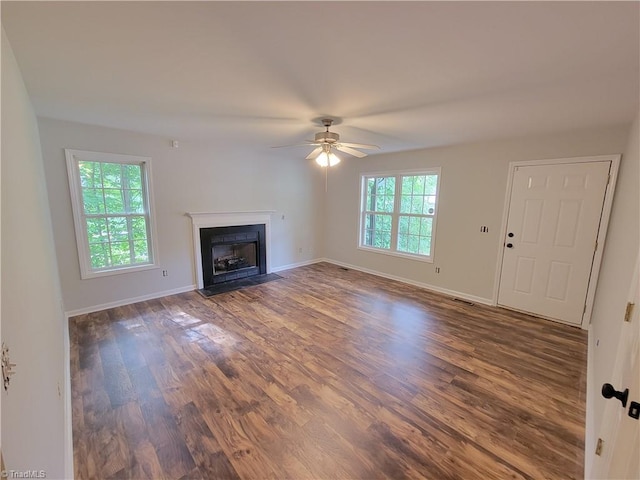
<point>205,224</point>
<point>232,252</point>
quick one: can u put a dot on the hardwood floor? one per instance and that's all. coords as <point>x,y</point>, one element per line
<point>326,373</point>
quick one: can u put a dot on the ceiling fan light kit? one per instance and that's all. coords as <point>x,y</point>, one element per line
<point>326,141</point>
<point>327,159</point>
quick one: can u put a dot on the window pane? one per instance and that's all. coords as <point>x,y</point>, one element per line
<point>378,231</point>
<point>425,245</point>
<point>431,184</point>
<point>112,175</point>
<point>414,234</point>
<point>133,201</point>
<point>386,186</point>
<point>416,204</point>
<point>407,186</point>
<point>113,200</point>
<point>99,253</point>
<point>118,229</point>
<point>418,184</point>
<point>425,226</point>
<point>97,230</point>
<point>382,240</point>
<point>139,228</point>
<point>371,182</point>
<point>403,242</point>
<point>132,177</point>
<point>141,251</point>
<point>120,253</point>
<point>403,224</point>
<point>405,204</point>
<point>90,175</point>
<point>414,243</point>
<point>414,225</point>
<point>380,194</point>
<point>93,201</point>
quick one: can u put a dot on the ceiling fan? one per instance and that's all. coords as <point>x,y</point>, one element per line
<point>325,142</point>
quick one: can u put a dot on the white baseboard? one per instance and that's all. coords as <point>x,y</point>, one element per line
<point>426,286</point>
<point>129,301</point>
<point>189,288</point>
<point>296,265</point>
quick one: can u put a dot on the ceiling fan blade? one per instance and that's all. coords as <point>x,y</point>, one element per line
<point>309,142</point>
<point>314,153</point>
<point>350,151</point>
<point>360,145</point>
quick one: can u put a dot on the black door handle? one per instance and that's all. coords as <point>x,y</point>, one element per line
<point>510,234</point>
<point>609,392</point>
<point>509,245</point>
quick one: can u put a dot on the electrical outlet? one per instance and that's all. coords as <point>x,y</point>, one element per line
<point>484,229</point>
<point>165,273</point>
<point>437,269</point>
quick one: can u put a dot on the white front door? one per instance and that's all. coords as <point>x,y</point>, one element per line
<point>619,435</point>
<point>552,227</point>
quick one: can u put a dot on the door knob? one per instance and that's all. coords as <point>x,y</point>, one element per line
<point>609,392</point>
<point>510,234</point>
<point>509,245</point>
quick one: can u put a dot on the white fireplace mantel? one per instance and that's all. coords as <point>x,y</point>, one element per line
<point>227,219</point>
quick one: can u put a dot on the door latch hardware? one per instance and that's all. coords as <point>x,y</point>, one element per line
<point>634,410</point>
<point>609,392</point>
<point>629,311</point>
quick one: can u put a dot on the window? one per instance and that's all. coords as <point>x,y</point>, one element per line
<point>110,196</point>
<point>398,213</point>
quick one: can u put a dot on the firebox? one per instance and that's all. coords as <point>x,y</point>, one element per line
<point>232,253</point>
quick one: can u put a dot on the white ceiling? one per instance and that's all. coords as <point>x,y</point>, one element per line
<point>402,75</point>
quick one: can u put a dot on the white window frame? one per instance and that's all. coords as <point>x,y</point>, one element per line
<point>79,217</point>
<point>395,215</point>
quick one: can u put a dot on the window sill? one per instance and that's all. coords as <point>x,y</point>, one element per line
<point>117,271</point>
<point>419,258</point>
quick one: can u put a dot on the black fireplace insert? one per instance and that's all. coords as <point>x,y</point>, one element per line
<point>232,253</point>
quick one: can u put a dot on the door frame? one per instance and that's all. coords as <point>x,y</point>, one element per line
<point>602,230</point>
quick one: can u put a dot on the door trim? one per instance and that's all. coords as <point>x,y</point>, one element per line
<point>602,230</point>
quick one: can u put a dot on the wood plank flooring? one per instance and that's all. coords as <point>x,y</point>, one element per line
<point>326,373</point>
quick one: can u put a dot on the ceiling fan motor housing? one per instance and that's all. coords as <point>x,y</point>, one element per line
<point>327,137</point>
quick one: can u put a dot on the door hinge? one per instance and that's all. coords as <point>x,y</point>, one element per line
<point>584,310</point>
<point>629,311</point>
<point>596,247</point>
<point>599,447</point>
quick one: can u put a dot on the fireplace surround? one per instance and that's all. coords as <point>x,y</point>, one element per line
<point>238,230</point>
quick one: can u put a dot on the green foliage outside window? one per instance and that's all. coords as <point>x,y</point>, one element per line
<point>115,213</point>
<point>405,204</point>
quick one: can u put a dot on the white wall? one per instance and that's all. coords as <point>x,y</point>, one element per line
<point>32,316</point>
<point>618,261</point>
<point>472,194</point>
<point>196,177</point>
